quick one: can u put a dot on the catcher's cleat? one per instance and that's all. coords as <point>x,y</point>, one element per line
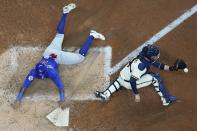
<point>101,95</point>
<point>97,35</point>
<point>69,7</point>
<point>171,99</point>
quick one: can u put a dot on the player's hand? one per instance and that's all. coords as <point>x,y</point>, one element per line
<point>16,105</point>
<point>62,105</point>
<point>137,98</point>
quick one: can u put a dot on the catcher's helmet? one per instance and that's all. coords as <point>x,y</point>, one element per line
<point>151,52</point>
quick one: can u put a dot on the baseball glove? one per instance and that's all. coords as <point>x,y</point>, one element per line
<point>179,64</point>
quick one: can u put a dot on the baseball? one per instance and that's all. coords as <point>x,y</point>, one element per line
<point>186,70</point>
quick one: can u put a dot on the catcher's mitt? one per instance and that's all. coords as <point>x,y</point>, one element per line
<point>179,64</point>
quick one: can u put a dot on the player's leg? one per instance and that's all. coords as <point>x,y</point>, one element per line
<point>166,98</point>
<point>69,58</point>
<point>86,46</point>
<point>106,94</point>
<point>56,43</point>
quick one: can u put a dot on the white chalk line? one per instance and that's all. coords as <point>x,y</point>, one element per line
<point>155,38</point>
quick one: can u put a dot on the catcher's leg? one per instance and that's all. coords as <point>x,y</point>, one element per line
<point>105,95</point>
<point>161,90</point>
<point>144,81</point>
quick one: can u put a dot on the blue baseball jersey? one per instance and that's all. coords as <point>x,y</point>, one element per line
<point>45,68</point>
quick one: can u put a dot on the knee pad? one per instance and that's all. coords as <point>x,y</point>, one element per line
<point>156,79</point>
<point>115,86</point>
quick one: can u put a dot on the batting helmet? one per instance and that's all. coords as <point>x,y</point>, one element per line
<point>40,68</point>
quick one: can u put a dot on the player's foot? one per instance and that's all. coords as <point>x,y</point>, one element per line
<point>171,99</point>
<point>97,35</point>
<point>69,7</point>
<point>101,95</point>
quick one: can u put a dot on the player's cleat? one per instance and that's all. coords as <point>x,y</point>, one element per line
<point>97,35</point>
<point>101,95</point>
<point>69,7</point>
<point>171,99</point>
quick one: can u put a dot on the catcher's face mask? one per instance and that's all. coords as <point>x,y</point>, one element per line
<point>155,58</point>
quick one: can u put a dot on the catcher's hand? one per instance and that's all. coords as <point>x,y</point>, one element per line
<point>179,64</point>
<point>137,98</point>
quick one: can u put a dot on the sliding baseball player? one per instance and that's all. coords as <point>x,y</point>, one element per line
<point>53,56</point>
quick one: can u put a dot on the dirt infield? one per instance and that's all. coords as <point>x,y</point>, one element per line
<point>126,24</point>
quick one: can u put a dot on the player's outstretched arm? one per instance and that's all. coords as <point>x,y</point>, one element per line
<point>58,82</point>
<point>178,65</point>
<point>28,80</point>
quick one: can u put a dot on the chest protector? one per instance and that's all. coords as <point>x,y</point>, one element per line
<point>132,70</point>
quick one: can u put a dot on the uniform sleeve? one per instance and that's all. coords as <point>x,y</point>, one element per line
<point>28,80</point>
<point>159,65</point>
<point>58,82</point>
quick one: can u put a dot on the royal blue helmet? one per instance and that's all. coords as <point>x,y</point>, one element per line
<point>40,68</point>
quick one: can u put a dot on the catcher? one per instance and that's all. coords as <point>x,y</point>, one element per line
<point>136,75</point>
<point>47,67</point>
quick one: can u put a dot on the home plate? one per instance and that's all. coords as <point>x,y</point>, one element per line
<point>59,117</point>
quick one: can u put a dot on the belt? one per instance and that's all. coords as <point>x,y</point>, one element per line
<point>126,80</point>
